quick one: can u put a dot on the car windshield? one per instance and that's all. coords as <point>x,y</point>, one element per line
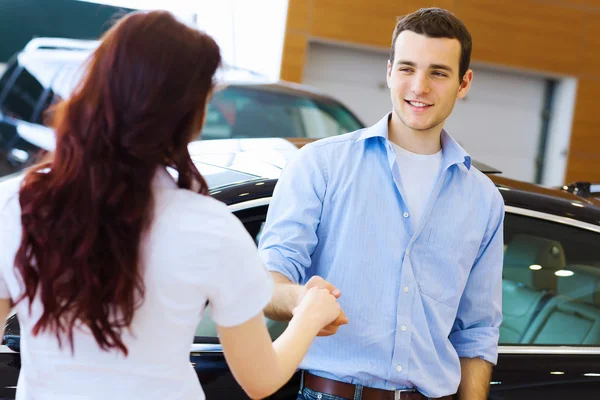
<point>251,112</point>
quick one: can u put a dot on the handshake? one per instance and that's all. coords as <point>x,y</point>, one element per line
<point>317,301</point>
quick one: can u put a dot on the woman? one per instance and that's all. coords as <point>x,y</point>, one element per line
<point>111,262</point>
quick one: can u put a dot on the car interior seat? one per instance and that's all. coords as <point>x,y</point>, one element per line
<point>528,281</point>
<point>572,317</point>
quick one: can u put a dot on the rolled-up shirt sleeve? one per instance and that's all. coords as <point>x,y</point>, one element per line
<point>289,236</point>
<point>476,329</point>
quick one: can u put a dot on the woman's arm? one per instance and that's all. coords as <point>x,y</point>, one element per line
<point>4,309</point>
<point>260,366</point>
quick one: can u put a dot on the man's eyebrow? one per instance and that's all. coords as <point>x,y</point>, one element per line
<point>441,66</point>
<point>431,66</point>
<point>406,62</point>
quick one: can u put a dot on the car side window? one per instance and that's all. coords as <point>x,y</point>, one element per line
<point>236,112</point>
<point>21,94</point>
<point>550,283</point>
<point>253,220</point>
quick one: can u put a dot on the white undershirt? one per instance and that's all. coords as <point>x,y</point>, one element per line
<point>419,174</point>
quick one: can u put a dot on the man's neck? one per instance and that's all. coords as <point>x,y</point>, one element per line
<point>419,142</point>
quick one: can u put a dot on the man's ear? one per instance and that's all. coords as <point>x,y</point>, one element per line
<point>465,84</point>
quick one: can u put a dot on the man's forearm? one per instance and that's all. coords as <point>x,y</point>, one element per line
<point>284,300</point>
<point>476,374</point>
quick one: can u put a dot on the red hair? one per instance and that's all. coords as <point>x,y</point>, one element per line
<point>84,213</point>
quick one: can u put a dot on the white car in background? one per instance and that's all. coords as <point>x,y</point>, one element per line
<point>244,105</point>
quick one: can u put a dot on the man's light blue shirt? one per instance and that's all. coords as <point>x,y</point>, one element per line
<point>416,300</point>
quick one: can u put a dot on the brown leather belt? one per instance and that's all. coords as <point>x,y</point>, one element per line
<point>346,390</point>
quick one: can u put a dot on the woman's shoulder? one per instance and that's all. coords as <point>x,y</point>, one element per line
<point>187,211</point>
<point>189,202</point>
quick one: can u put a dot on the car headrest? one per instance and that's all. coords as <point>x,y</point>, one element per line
<point>583,285</point>
<point>524,251</point>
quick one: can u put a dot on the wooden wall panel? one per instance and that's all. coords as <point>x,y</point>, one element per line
<point>524,33</point>
<point>587,4</point>
<point>366,22</point>
<point>590,48</point>
<point>294,55</point>
<point>556,36</point>
<point>584,150</point>
<point>298,16</point>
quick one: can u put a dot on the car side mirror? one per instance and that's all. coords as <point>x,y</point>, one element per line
<point>13,342</point>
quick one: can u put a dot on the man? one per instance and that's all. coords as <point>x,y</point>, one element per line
<point>396,219</point>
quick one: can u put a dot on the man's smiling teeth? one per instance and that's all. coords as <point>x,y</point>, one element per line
<point>417,104</point>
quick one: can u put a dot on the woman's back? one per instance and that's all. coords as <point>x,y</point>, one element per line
<point>111,263</point>
<point>195,251</point>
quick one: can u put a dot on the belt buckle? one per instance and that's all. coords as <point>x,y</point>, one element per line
<point>398,393</point>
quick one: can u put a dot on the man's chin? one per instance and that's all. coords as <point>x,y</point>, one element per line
<point>421,127</point>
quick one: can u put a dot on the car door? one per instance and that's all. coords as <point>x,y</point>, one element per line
<point>550,334</point>
<point>10,360</point>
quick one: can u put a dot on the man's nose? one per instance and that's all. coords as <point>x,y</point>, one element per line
<point>419,84</point>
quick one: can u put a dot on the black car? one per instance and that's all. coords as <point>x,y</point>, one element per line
<point>550,335</point>
<point>244,105</point>
<point>588,190</point>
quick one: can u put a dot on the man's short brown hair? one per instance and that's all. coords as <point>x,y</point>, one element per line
<point>436,23</point>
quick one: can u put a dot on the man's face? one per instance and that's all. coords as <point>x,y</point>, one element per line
<point>424,80</point>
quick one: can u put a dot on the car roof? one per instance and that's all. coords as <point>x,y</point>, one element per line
<point>515,193</point>
<point>278,86</point>
<point>40,52</point>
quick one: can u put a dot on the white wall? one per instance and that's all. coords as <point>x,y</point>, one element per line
<point>353,75</point>
<point>559,132</point>
<point>500,120</point>
<point>499,123</point>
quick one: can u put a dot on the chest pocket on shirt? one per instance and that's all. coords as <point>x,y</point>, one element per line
<point>444,269</point>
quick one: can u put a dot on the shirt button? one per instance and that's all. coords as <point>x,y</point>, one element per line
<point>403,328</point>
<point>405,289</point>
<point>406,215</point>
<point>407,252</point>
<point>399,368</point>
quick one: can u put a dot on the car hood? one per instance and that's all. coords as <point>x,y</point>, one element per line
<point>230,161</point>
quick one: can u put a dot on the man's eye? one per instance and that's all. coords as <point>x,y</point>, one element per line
<point>437,73</point>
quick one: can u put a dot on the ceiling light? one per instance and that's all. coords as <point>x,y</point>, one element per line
<point>535,267</point>
<point>557,373</point>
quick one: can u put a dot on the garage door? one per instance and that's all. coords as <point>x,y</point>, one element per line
<point>499,122</point>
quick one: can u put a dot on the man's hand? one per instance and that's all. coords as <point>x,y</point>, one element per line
<point>317,281</point>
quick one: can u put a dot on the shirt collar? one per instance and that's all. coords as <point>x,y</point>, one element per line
<point>452,152</point>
